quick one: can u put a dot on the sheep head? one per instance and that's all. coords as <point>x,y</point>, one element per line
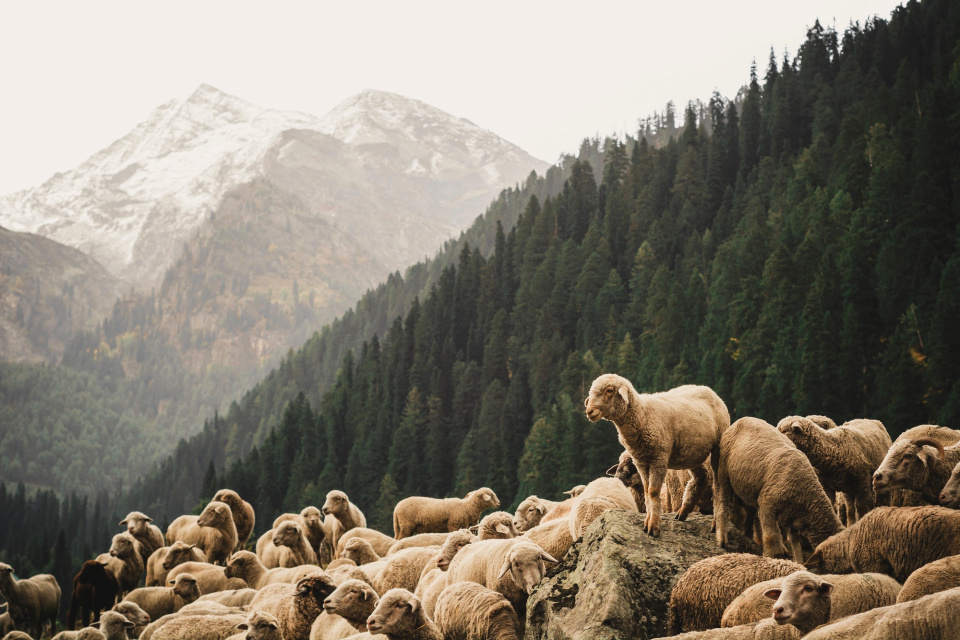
<point>215,514</point>
<point>831,556</point>
<point>626,472</point>
<point>802,600</point>
<point>260,626</point>
<point>185,586</point>
<point>455,541</point>
<point>313,518</point>
<point>287,534</point>
<point>228,497</point>
<point>113,624</point>
<point>5,570</point>
<point>353,596</point>
<point>398,613</point>
<point>484,496</point>
<point>136,523</point>
<point>358,550</point>
<point>337,503</point>
<point>238,563</point>
<point>610,396</point>
<point>950,496</point>
<point>528,514</point>
<point>317,585</point>
<point>132,612</point>
<point>177,553</point>
<point>498,524</point>
<point>906,465</point>
<point>525,562</point>
<point>123,546</point>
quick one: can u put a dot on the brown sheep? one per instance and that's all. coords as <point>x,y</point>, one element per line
<point>95,588</point>
<point>418,514</point>
<point>913,462</point>
<point>213,531</point>
<point>346,515</point>
<point>31,602</point>
<point>243,516</point>
<point>148,535</point>
<point>936,576</point>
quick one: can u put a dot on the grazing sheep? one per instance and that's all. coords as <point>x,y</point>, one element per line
<point>710,585</point>
<point>347,515</point>
<point>553,537</point>
<point>419,540</point>
<point>218,625</point>
<point>469,611</point>
<point>892,540</point>
<point>164,559</point>
<point>601,494</point>
<point>765,471</point>
<point>380,542</point>
<point>113,625</point>
<point>245,565</point>
<point>95,588</point>
<point>913,463</point>
<point>844,457</point>
<point>243,516</point>
<point>852,593</point>
<point>213,531</point>
<point>400,616</point>
<point>290,547</point>
<point>676,429</point>
<point>530,512</point>
<point>161,601</point>
<point>259,626</point>
<point>932,617</point>
<point>295,606</point>
<point>933,577</point>
<point>345,611</point>
<point>418,514</point>
<point>496,526</point>
<point>31,602</point>
<point>148,535</point>
<point>210,578</point>
<point>360,551</point>
<point>311,520</point>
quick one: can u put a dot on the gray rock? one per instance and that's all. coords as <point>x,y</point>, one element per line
<point>615,581</point>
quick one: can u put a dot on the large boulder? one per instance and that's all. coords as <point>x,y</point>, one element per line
<point>615,581</point>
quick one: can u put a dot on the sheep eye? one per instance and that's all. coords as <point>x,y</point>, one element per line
<point>807,588</point>
<point>908,456</point>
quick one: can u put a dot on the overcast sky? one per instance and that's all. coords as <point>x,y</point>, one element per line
<point>75,76</point>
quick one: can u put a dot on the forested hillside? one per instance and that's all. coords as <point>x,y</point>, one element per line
<point>795,249</point>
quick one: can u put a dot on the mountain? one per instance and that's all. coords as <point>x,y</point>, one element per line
<point>394,172</point>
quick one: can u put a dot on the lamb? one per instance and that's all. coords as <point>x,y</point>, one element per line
<point>675,429</point>
<point>196,626</point>
<point>243,516</point>
<point>213,531</point>
<point>161,601</point>
<point>601,494</point>
<point>912,463</point>
<point>496,526</point>
<point>844,457</point>
<point>345,611</point>
<point>380,542</point>
<point>210,578</point>
<point>95,588</point>
<point>148,535</point>
<point>852,593</point>
<point>469,611</point>
<point>418,514</point>
<point>259,626</point>
<point>290,548</point>
<point>295,606</point>
<point>310,520</point>
<point>164,559</point>
<point>934,577</point>
<point>230,598</point>
<point>553,537</point>
<point>892,540</point>
<point>246,566</point>
<point>31,602</point>
<point>347,515</point>
<point>705,589</point>
<point>113,625</point>
<point>928,618</point>
<point>360,551</point>
<point>765,471</point>
<point>400,616</point>
<point>530,512</point>
<point>419,540</point>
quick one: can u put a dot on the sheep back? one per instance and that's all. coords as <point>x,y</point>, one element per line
<point>932,616</point>
<point>469,611</point>
<point>418,514</point>
<point>418,540</point>
<point>244,517</point>
<point>934,577</point>
<point>380,542</point>
<point>601,494</point>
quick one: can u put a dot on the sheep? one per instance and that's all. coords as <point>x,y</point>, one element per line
<point>400,616</point>
<point>676,429</point>
<point>125,561</point>
<point>87,633</point>
<point>844,457</point>
<point>243,516</point>
<point>196,626</point>
<point>765,471</point>
<point>347,515</point>
<point>260,625</point>
<point>314,528</point>
<point>6,623</point>
<point>418,514</point>
<point>94,588</point>
<point>419,540</point>
<point>950,494</point>
<point>210,578</point>
<point>31,602</point>
<point>933,577</point>
<point>246,566</point>
<point>290,547</point>
<point>553,537</point>
<point>380,542</point>
<point>671,493</point>
<point>212,610</point>
<point>562,510</point>
<point>295,606</point>
<point>230,598</point>
<point>892,540</point>
<point>345,611</point>
<point>911,465</point>
<point>433,578</point>
<point>114,625</point>
<point>161,601</point>
<point>706,588</point>
<point>19,635</point>
<point>403,569</point>
<point>496,526</point>
<point>530,512</point>
<point>164,559</point>
<point>360,551</point>
<point>469,611</point>
<point>213,531</point>
<point>601,494</point>
<point>132,612</point>
<point>928,618</point>
<point>148,535</point>
<point>853,593</point>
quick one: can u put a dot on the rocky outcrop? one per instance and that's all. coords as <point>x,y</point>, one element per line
<point>615,582</point>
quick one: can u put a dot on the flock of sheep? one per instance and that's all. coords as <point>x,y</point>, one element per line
<point>806,489</point>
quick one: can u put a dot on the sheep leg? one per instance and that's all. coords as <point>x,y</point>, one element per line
<point>773,546</point>
<point>655,475</point>
<point>866,500</point>
<point>796,545</point>
<point>848,501</point>
<point>693,492</point>
<point>722,498</point>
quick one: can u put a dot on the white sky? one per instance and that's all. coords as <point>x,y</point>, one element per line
<point>75,76</point>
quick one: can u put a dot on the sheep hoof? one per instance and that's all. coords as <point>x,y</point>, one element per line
<point>681,516</point>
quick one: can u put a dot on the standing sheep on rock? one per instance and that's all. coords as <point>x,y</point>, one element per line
<point>31,602</point>
<point>469,611</point>
<point>418,514</point>
<point>844,457</point>
<point>243,516</point>
<point>147,535</point>
<point>676,429</point>
<point>601,494</point>
<point>161,601</point>
<point>400,616</point>
<point>125,561</point>
<point>213,531</point>
<point>764,470</point>
<point>496,526</point>
<point>259,626</point>
<point>934,577</point>
<point>345,611</point>
<point>913,462</point>
<point>347,515</point>
<point>892,540</point>
<point>530,512</point>
<point>380,542</point>
<point>295,606</point>
<point>164,559</point>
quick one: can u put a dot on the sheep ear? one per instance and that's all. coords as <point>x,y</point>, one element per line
<point>486,497</point>
<point>773,594</point>
<point>502,528</point>
<point>148,518</point>
<point>624,394</point>
<point>243,626</point>
<point>95,625</point>
<point>546,557</point>
<point>814,562</point>
<point>191,547</point>
<point>542,508</point>
<point>122,523</point>
<point>612,471</point>
<point>826,588</point>
<point>127,624</point>
<point>414,604</point>
<point>474,529</point>
<point>504,569</point>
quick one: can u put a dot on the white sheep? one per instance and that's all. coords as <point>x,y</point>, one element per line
<point>246,566</point>
<point>913,462</point>
<point>213,531</point>
<point>676,429</point>
<point>164,559</point>
<point>553,537</point>
<point>530,512</point>
<point>400,616</point>
<point>148,535</point>
<point>601,494</point>
<point>950,494</point>
<point>31,602</point>
<point>380,542</point>
<point>243,516</point>
<point>345,611</point>
<point>495,526</point>
<point>418,514</point>
<point>260,625</point>
<point>346,515</point>
<point>161,601</point>
<point>469,611</point>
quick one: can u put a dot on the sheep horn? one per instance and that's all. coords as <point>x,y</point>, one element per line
<point>927,442</point>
